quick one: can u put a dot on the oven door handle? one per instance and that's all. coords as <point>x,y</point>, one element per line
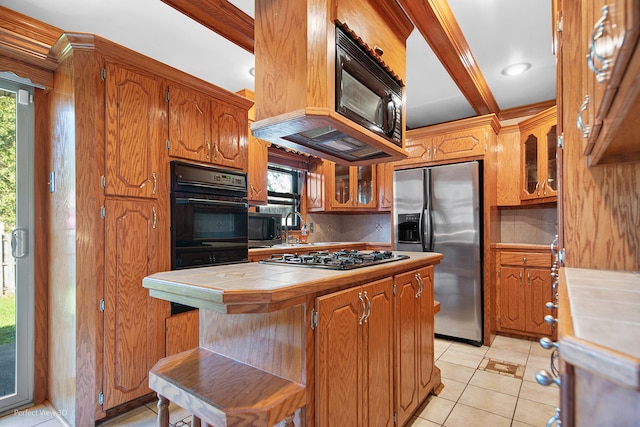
<point>185,200</point>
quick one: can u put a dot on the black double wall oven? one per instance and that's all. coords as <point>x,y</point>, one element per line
<point>209,218</point>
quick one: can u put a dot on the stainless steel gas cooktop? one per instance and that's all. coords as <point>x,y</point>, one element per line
<point>338,260</point>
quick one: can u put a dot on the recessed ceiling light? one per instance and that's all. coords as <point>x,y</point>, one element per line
<point>252,71</point>
<point>515,69</point>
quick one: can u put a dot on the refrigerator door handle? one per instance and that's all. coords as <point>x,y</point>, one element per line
<point>427,220</point>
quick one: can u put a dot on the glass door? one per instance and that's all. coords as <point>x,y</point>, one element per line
<point>16,219</point>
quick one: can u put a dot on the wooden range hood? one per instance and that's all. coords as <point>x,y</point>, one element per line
<point>295,52</point>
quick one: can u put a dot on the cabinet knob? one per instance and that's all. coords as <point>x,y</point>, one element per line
<point>551,306</point>
<point>524,259</point>
<point>378,50</point>
<point>546,343</point>
<point>545,378</point>
<point>550,319</point>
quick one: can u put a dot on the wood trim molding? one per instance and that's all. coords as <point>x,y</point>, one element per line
<point>525,110</point>
<point>221,17</point>
<point>435,21</point>
<point>27,39</point>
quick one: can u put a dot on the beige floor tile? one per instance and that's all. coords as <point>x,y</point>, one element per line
<point>139,417</point>
<point>452,389</point>
<point>533,391</point>
<point>538,351</point>
<point>461,358</point>
<point>534,364</point>
<point>513,344</point>
<point>489,400</point>
<point>437,409</point>
<point>421,422</point>
<point>455,372</point>
<point>520,424</point>
<point>466,416</point>
<point>534,413</point>
<point>51,423</point>
<point>35,415</point>
<point>496,382</point>
<point>440,346</point>
<point>507,355</point>
<point>468,348</point>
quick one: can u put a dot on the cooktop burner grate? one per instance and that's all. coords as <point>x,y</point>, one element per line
<point>345,259</point>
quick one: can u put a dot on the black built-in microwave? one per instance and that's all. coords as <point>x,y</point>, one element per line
<point>365,92</point>
<point>265,229</point>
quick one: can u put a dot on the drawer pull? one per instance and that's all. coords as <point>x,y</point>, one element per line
<point>602,47</point>
<point>582,127</point>
<point>546,379</point>
<point>550,319</point>
<point>547,344</point>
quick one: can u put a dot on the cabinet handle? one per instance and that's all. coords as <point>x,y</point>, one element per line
<point>555,419</point>
<point>155,183</point>
<point>429,153</point>
<point>529,278</point>
<point>368,307</point>
<point>537,189</point>
<point>435,149</point>
<point>545,378</point>
<point>549,319</point>
<point>524,259</point>
<point>420,285</point>
<point>208,149</point>
<point>605,49</point>
<point>547,344</point>
<point>544,190</point>
<point>521,278</point>
<point>361,319</point>
<point>582,127</point>
<point>215,151</point>
<point>155,217</point>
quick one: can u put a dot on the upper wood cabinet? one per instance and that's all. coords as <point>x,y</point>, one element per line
<point>257,161</point>
<point>385,186</point>
<point>352,187</point>
<point>315,185</point>
<point>135,108</point>
<point>609,35</point>
<point>204,129</point>
<point>469,138</point>
<point>538,157</point>
<point>354,356</point>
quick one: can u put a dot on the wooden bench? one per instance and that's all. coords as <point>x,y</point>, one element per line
<point>223,392</point>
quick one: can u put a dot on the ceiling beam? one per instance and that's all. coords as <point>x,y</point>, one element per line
<point>435,21</point>
<point>221,17</point>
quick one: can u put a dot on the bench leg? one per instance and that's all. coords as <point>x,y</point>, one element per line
<point>288,421</point>
<point>163,411</point>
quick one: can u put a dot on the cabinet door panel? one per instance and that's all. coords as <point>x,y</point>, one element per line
<point>512,304</point>
<point>457,145</point>
<point>229,136</point>
<point>378,344</point>
<point>133,325</point>
<point>407,313</point>
<point>189,125</point>
<point>426,332</point>
<point>339,359</point>
<point>538,294</point>
<point>133,140</point>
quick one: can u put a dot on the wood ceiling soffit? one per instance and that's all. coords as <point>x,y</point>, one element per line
<point>221,17</point>
<point>28,39</point>
<point>435,21</point>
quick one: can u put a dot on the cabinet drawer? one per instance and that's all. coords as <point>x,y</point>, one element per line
<point>537,259</point>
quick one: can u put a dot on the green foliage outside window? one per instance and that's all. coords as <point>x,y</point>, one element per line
<point>7,159</point>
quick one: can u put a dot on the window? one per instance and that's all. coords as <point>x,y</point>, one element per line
<point>284,185</point>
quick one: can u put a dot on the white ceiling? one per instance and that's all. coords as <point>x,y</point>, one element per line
<point>499,32</point>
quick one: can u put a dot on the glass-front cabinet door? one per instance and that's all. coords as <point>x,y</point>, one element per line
<point>551,187</point>
<point>366,179</point>
<point>342,196</point>
<point>530,149</point>
<point>354,187</point>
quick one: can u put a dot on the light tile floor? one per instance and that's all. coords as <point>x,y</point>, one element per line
<point>471,396</point>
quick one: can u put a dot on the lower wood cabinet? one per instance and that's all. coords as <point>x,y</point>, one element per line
<point>354,351</point>
<point>416,375</point>
<point>524,287</point>
<point>134,330</point>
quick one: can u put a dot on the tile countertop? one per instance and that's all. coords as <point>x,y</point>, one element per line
<point>258,288</point>
<point>603,332</point>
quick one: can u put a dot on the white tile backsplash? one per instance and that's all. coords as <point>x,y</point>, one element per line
<point>370,227</point>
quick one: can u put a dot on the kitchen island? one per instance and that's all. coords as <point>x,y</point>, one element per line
<point>339,333</point>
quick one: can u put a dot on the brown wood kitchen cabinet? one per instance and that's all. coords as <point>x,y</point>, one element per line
<point>524,287</point>
<point>204,129</point>
<point>538,152</point>
<point>385,186</point>
<point>257,162</point>
<point>416,374</point>
<point>469,138</point>
<point>134,333</point>
<point>611,95</point>
<point>134,132</point>
<point>351,187</point>
<point>354,351</point>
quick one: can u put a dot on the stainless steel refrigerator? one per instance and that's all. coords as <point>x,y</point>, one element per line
<point>438,209</point>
